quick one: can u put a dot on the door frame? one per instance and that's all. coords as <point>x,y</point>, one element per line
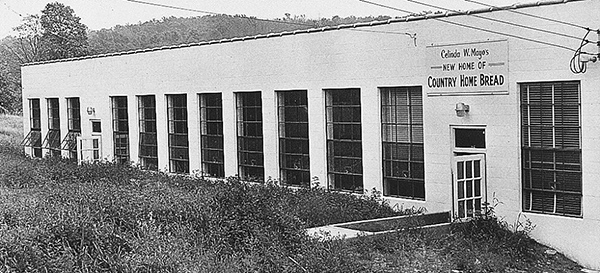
<point>461,152</point>
<point>483,183</point>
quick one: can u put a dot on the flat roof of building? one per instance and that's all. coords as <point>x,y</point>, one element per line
<point>408,18</point>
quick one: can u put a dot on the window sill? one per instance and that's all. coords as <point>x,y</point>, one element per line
<point>561,216</point>
<point>407,199</point>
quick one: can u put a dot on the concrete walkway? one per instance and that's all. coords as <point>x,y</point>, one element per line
<point>332,231</point>
<point>340,230</point>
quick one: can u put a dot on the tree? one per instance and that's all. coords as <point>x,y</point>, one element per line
<point>10,91</point>
<point>64,36</point>
<point>27,46</point>
<point>10,77</point>
<point>55,34</point>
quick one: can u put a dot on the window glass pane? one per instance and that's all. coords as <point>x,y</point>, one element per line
<point>148,150</point>
<point>344,134</point>
<point>477,168</point>
<point>551,148</point>
<point>402,136</point>
<point>52,140</point>
<point>293,137</point>
<point>53,114</point>
<point>73,115</point>
<point>469,138</point>
<point>120,129</point>
<point>178,133</point>
<point>250,135</point>
<point>34,114</point>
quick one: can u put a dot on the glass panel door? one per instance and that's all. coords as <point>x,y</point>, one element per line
<point>469,185</point>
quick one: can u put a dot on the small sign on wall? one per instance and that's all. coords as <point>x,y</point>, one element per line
<point>477,68</point>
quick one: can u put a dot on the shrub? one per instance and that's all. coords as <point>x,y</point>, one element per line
<point>65,217</point>
<point>11,134</point>
<point>489,244</point>
<point>57,216</point>
<point>319,206</point>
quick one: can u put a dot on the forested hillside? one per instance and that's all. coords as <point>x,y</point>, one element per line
<point>56,33</point>
<point>177,30</point>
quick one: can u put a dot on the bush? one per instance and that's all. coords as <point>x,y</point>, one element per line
<point>11,134</point>
<point>64,217</point>
<point>489,244</point>
<point>319,207</point>
<point>57,216</point>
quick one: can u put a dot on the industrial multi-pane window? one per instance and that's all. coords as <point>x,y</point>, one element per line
<point>178,133</point>
<point>73,114</point>
<point>250,135</point>
<point>69,143</point>
<point>402,137</point>
<point>344,139</point>
<point>120,129</point>
<point>52,139</point>
<point>551,149</point>
<point>148,151</point>
<point>211,131</point>
<point>293,138</point>
<point>34,138</point>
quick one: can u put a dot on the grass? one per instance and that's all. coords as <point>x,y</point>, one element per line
<point>59,217</point>
<point>11,132</point>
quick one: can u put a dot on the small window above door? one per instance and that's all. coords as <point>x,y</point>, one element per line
<point>469,138</point>
<point>96,126</point>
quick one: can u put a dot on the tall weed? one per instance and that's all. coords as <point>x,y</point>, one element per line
<point>489,244</point>
<point>113,217</point>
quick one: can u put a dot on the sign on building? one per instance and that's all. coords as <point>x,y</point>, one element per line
<point>477,68</point>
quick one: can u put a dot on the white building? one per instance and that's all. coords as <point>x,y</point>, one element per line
<point>445,112</point>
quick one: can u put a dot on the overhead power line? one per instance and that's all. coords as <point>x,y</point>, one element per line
<point>500,21</point>
<point>216,13</point>
<point>477,28</point>
<point>577,65</point>
<point>9,8</point>
<point>532,15</point>
<point>173,7</point>
<point>413,36</point>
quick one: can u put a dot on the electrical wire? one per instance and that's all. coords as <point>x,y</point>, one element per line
<point>577,64</point>
<point>216,13</point>
<point>9,8</point>
<point>413,36</point>
<point>20,15</point>
<point>7,33</point>
<point>499,21</point>
<point>531,15</point>
<point>475,28</point>
<point>173,7</point>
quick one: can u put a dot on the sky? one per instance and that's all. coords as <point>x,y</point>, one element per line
<point>98,14</point>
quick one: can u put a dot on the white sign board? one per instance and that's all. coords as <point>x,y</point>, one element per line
<point>478,68</point>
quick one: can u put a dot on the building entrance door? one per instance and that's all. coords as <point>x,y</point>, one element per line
<point>469,185</point>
